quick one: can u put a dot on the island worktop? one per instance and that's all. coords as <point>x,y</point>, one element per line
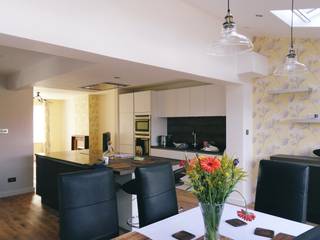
<point>87,160</point>
<point>50,165</point>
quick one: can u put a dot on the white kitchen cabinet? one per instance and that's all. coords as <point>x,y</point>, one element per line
<point>197,101</point>
<point>126,128</point>
<point>176,154</point>
<point>142,102</point>
<point>157,104</point>
<point>182,102</point>
<point>126,103</point>
<point>126,148</point>
<point>215,100</point>
<point>169,101</point>
<point>208,100</point>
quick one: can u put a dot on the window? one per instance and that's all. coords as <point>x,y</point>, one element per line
<point>39,123</point>
<point>309,17</point>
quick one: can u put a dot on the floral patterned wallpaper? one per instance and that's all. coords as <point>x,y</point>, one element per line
<point>94,136</point>
<point>272,134</point>
<point>81,109</point>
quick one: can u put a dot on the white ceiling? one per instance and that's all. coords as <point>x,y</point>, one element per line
<point>129,73</point>
<point>13,60</point>
<point>244,12</point>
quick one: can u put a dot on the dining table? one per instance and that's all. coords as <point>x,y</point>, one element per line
<point>192,222</point>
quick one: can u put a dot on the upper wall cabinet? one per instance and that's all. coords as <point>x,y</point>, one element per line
<point>215,100</point>
<point>182,101</point>
<point>169,103</point>
<point>208,100</point>
<point>197,101</point>
<point>142,102</point>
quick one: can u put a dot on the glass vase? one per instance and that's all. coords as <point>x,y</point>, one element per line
<point>211,217</point>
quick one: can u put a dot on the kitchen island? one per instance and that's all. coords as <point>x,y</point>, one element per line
<point>49,166</point>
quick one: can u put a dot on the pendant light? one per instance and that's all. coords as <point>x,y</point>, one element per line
<point>39,98</point>
<point>230,42</point>
<point>291,66</point>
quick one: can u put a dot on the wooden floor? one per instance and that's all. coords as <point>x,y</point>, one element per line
<point>23,217</point>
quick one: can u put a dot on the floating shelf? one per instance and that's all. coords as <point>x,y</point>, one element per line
<point>302,120</point>
<point>293,90</point>
<point>315,120</point>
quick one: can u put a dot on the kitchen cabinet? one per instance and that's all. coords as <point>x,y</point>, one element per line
<point>197,101</point>
<point>174,102</point>
<point>169,100</point>
<point>126,128</point>
<point>126,148</point>
<point>181,103</point>
<point>215,100</point>
<point>126,103</point>
<point>176,154</point>
<point>142,102</point>
<point>208,100</point>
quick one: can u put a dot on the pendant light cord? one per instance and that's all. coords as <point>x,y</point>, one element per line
<point>292,3</point>
<point>228,6</point>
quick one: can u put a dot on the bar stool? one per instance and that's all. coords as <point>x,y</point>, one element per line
<point>88,205</point>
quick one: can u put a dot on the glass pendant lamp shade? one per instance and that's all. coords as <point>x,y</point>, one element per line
<point>230,42</point>
<point>291,66</point>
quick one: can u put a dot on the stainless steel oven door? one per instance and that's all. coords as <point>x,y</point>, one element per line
<point>142,145</point>
<point>142,125</point>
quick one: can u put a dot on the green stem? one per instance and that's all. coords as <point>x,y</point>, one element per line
<point>243,198</point>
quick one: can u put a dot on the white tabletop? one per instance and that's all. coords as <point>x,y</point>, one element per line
<point>192,222</point>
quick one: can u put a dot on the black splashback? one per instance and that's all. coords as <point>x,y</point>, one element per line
<point>207,129</point>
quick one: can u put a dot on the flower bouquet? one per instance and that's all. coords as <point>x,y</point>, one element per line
<point>213,179</point>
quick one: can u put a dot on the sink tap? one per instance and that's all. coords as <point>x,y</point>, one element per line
<point>194,134</point>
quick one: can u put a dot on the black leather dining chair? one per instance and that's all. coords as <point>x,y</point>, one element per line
<point>312,234</point>
<point>282,189</point>
<point>88,205</point>
<point>156,193</point>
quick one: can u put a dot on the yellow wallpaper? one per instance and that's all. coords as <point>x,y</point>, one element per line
<point>81,109</point>
<point>94,136</point>
<point>271,134</point>
<point>57,126</point>
<point>103,117</point>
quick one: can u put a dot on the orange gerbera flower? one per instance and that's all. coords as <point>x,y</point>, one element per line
<point>210,164</point>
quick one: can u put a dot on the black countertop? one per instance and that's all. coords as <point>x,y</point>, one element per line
<point>187,150</point>
<point>87,159</point>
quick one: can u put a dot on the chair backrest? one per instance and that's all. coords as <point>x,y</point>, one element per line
<point>312,234</point>
<point>88,205</point>
<point>282,189</point>
<point>156,193</point>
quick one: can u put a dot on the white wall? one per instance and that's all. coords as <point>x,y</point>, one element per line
<point>16,148</point>
<point>239,144</point>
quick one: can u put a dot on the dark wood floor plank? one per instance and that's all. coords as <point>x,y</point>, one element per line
<point>23,217</point>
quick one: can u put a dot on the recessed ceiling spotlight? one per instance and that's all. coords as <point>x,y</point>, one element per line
<point>116,77</point>
<point>259,15</point>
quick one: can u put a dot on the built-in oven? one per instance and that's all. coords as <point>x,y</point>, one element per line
<point>142,131</point>
<point>142,145</point>
<point>142,125</point>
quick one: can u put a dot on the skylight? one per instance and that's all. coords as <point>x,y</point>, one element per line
<point>309,17</point>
